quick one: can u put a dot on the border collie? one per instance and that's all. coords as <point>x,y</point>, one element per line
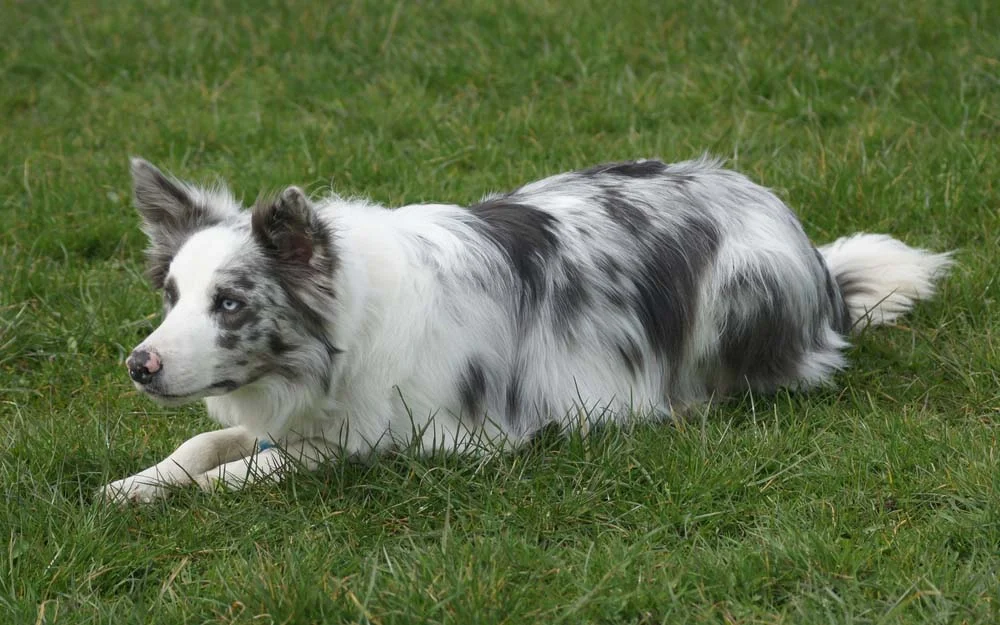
<point>319,329</point>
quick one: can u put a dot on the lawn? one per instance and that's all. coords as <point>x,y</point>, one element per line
<point>874,502</point>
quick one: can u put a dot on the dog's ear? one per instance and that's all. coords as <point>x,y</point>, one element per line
<point>289,230</point>
<point>171,212</point>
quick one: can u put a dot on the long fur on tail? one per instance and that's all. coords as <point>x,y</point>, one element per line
<point>881,278</point>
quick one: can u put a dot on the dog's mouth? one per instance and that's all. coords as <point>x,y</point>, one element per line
<point>171,399</point>
<point>161,396</point>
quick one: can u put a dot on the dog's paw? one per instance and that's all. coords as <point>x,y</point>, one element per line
<point>134,489</point>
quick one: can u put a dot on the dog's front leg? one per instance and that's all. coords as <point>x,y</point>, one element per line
<point>194,457</point>
<point>271,464</point>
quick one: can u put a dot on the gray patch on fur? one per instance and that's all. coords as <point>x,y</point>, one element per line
<point>514,401</point>
<point>631,355</point>
<point>245,282</point>
<point>170,293</point>
<point>300,249</point>
<point>667,280</point>
<point>625,213</point>
<point>472,389</point>
<point>765,341</point>
<point>277,344</point>
<point>233,321</point>
<point>227,340</point>
<point>570,296</point>
<point>841,315</point>
<point>301,255</point>
<point>627,169</point>
<point>528,238</point>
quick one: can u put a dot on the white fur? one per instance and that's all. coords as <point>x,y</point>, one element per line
<point>184,334</point>
<point>889,277</point>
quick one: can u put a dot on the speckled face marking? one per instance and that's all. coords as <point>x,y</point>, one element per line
<point>234,289</point>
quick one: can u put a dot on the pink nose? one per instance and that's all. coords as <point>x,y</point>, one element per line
<point>153,364</point>
<point>143,365</point>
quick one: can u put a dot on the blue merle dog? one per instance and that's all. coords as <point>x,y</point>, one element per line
<point>334,327</point>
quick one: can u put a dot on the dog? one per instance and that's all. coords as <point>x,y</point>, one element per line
<point>338,328</point>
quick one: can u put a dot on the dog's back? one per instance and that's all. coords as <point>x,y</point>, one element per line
<point>625,289</point>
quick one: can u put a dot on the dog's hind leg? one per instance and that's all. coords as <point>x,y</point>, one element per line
<point>271,464</point>
<point>194,457</point>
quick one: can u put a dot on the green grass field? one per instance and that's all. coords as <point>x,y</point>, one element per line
<point>875,502</point>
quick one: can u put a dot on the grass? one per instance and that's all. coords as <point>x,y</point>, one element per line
<point>876,502</point>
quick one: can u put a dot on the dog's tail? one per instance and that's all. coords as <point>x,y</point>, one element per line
<point>881,278</point>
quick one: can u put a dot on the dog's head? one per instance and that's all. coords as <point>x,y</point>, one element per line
<point>245,296</point>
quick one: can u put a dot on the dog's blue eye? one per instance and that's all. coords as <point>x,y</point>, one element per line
<point>230,305</point>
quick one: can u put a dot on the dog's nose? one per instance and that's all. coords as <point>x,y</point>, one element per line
<point>142,365</point>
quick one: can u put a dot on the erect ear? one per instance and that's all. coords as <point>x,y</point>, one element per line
<point>171,212</point>
<point>289,230</point>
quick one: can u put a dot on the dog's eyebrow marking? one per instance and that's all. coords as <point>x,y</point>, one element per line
<point>244,282</point>
<point>238,281</point>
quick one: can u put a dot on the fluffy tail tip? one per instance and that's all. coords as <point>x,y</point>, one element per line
<point>881,278</point>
